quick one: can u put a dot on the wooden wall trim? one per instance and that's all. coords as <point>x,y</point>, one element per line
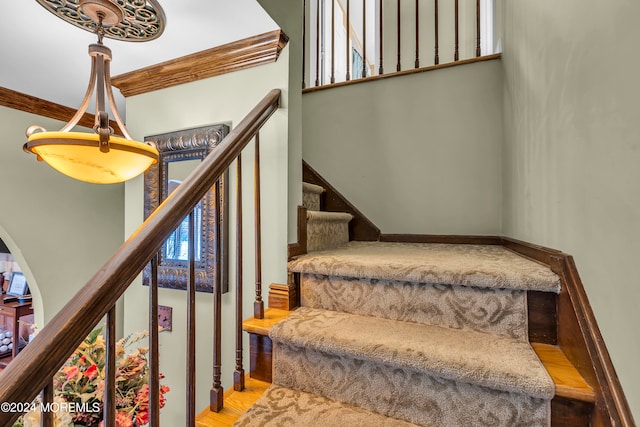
<point>441,238</point>
<point>577,332</point>
<point>360,227</point>
<point>250,52</point>
<point>609,390</point>
<point>579,336</point>
<point>529,250</point>
<point>300,247</point>
<point>405,72</point>
<point>31,104</point>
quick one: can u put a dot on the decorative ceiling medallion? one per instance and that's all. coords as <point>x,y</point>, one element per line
<point>142,20</point>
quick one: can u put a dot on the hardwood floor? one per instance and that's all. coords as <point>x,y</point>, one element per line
<point>262,326</point>
<point>569,382</point>
<point>235,404</point>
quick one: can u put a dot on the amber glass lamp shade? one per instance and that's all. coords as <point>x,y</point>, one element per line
<point>78,155</point>
<point>100,157</point>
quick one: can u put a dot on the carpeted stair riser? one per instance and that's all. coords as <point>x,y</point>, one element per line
<point>281,406</point>
<point>327,230</point>
<point>427,375</point>
<point>403,394</point>
<point>498,311</point>
<point>311,196</point>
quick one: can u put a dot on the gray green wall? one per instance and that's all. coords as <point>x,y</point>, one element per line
<point>223,99</point>
<point>287,14</point>
<point>572,153</point>
<point>427,145</point>
<point>59,230</point>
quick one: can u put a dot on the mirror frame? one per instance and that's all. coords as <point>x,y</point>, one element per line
<point>189,144</point>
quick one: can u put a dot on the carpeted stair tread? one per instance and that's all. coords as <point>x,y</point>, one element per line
<point>328,216</point>
<point>471,357</point>
<point>311,196</point>
<point>281,406</point>
<point>311,188</point>
<point>488,266</point>
<point>326,230</point>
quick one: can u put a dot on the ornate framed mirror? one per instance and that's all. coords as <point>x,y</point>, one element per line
<point>180,152</point>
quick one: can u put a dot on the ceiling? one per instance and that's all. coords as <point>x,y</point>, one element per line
<point>43,56</point>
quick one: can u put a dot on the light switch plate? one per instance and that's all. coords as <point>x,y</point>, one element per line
<point>165,318</point>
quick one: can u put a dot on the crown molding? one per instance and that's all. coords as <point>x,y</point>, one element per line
<point>239,55</point>
<point>31,104</point>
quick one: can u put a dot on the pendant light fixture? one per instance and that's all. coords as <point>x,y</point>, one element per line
<point>99,157</point>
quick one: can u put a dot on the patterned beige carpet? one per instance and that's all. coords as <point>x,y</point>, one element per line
<point>327,229</point>
<point>469,265</point>
<point>283,407</point>
<point>409,334</point>
<point>427,375</point>
<point>491,310</point>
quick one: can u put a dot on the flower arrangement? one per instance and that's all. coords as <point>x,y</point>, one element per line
<point>79,385</point>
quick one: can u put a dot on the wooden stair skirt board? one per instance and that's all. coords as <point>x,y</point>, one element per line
<point>565,320</point>
<point>572,405</point>
<point>360,227</point>
<point>566,323</point>
<point>260,345</point>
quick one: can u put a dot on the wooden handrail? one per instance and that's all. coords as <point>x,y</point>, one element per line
<point>34,367</point>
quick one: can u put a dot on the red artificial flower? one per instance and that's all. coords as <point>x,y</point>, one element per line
<point>123,419</point>
<point>91,372</point>
<point>142,418</point>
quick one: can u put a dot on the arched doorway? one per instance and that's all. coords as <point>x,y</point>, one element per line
<point>14,272</point>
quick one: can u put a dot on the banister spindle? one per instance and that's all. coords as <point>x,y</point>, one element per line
<point>109,411</point>
<point>398,26</point>
<point>317,42</point>
<point>258,305</point>
<point>348,58</point>
<point>304,43</point>
<point>364,38</point>
<point>456,54</point>
<point>436,57</point>
<point>381,70</point>
<point>417,64</point>
<point>154,342</point>
<point>191,324</point>
<point>46,420</point>
<point>478,50</point>
<point>217,392</point>
<point>333,40</point>
<point>238,374</point>
<point>154,359</point>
